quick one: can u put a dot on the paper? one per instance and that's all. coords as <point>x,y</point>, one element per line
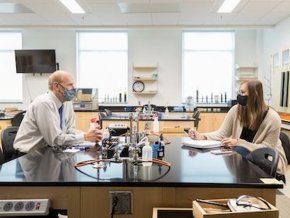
<point>270,181</point>
<point>219,151</point>
<point>202,143</point>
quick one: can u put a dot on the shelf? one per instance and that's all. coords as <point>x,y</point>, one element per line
<point>145,93</point>
<point>243,78</point>
<point>135,78</point>
<point>145,69</point>
<point>246,73</point>
<point>148,77</point>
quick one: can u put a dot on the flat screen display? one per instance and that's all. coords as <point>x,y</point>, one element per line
<point>35,61</point>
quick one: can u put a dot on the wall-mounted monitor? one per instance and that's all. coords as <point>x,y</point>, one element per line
<point>35,61</point>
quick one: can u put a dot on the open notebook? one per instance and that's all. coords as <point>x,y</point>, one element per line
<point>201,144</point>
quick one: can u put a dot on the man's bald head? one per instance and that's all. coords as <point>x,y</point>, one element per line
<point>57,77</point>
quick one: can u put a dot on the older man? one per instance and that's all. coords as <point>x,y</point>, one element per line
<point>50,119</point>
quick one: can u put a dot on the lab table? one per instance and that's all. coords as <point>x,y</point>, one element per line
<point>85,191</point>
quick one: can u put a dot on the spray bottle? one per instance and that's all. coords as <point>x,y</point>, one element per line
<point>155,124</point>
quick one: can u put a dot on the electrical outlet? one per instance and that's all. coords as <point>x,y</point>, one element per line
<point>24,207</point>
<point>121,202</point>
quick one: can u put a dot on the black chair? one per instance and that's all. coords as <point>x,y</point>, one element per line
<point>266,158</point>
<point>196,117</point>
<point>17,119</point>
<point>286,145</point>
<point>7,139</point>
<point>152,106</point>
<point>108,112</point>
<point>101,115</point>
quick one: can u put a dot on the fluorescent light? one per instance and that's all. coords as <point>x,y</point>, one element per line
<point>127,7</point>
<point>13,8</point>
<point>73,6</point>
<point>228,6</point>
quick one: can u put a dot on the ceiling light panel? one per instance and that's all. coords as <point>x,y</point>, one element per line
<point>14,8</point>
<point>148,7</point>
<point>73,6</point>
<point>228,6</point>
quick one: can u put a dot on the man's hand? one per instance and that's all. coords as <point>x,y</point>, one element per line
<point>94,135</point>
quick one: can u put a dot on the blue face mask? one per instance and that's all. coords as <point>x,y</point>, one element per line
<point>69,94</point>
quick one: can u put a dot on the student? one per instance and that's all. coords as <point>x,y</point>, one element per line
<point>249,125</point>
<point>50,119</point>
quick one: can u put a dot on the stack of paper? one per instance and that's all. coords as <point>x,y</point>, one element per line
<point>202,143</point>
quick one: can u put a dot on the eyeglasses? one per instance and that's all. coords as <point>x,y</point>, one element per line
<point>255,202</point>
<point>62,86</point>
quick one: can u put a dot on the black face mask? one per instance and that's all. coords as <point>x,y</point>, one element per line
<point>242,99</point>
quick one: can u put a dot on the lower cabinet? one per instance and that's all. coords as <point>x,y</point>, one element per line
<point>210,121</point>
<point>3,125</point>
<point>83,120</point>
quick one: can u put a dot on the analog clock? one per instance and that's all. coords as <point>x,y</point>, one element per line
<point>138,86</point>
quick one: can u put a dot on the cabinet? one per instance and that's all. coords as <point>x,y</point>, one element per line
<point>145,80</point>
<point>83,120</point>
<point>210,121</point>
<point>3,125</point>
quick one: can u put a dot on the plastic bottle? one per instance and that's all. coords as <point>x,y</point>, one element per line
<point>147,154</point>
<point>106,133</point>
<point>166,112</point>
<point>155,149</point>
<point>156,124</point>
<point>93,123</point>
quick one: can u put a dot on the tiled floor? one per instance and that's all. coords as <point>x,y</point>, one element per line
<point>283,201</point>
<point>286,189</point>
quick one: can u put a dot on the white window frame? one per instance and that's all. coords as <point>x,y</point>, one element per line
<point>103,51</point>
<point>11,86</point>
<point>199,49</point>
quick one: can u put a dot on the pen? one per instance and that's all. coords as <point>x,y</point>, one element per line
<point>212,202</point>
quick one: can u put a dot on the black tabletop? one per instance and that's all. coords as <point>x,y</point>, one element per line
<point>189,168</point>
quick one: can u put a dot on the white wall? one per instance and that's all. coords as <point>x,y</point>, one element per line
<point>146,46</point>
<point>275,40</point>
<point>246,54</point>
<point>162,47</point>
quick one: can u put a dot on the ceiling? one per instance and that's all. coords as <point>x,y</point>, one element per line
<point>107,13</point>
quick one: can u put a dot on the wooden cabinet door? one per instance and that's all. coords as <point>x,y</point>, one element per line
<point>3,125</point>
<point>83,120</point>
<point>210,121</point>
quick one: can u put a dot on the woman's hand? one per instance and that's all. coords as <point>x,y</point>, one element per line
<point>193,134</point>
<point>230,142</point>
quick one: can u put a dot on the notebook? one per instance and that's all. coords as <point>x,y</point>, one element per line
<point>202,144</point>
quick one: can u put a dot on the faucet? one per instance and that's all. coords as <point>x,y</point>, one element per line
<point>134,149</point>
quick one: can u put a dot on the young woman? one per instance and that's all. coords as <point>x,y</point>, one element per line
<point>249,125</point>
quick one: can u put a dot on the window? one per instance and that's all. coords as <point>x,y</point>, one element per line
<point>10,82</point>
<point>208,66</point>
<point>103,63</point>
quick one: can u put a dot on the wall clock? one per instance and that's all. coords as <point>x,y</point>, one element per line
<point>138,86</point>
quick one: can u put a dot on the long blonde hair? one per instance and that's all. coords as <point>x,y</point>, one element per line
<point>252,115</point>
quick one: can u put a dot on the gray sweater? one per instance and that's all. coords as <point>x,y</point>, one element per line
<point>266,136</point>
